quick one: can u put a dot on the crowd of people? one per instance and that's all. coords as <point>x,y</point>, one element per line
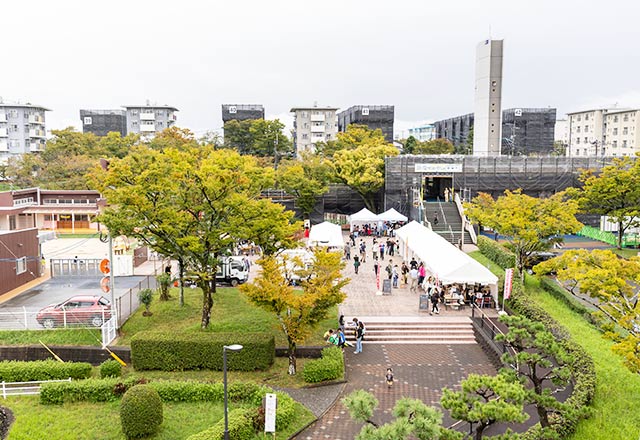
<point>337,337</point>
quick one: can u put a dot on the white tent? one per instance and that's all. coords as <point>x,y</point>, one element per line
<point>392,215</point>
<point>326,234</point>
<point>362,217</point>
<point>443,259</point>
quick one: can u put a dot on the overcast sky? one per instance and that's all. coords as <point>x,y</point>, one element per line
<point>417,55</point>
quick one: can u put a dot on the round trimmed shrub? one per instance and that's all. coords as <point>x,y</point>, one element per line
<point>140,412</point>
<point>110,368</point>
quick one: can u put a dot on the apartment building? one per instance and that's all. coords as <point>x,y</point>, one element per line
<point>22,129</point>
<point>373,116</point>
<point>424,132</point>
<point>621,132</point>
<point>312,125</point>
<point>149,119</point>
<point>102,122</point>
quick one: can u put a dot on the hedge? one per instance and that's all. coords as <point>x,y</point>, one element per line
<point>110,368</point>
<point>90,390</point>
<point>329,367</point>
<point>559,292</point>
<point>26,371</point>
<point>170,351</point>
<point>497,253</point>
<point>240,427</point>
<point>140,412</point>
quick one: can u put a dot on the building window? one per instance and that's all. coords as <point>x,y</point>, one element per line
<point>305,136</point>
<point>21,265</point>
<point>625,130</point>
<point>614,144</point>
<point>586,141</point>
<point>13,128</point>
<point>578,117</point>
<point>586,117</point>
<point>12,222</point>
<point>624,144</point>
<point>578,129</point>
<point>586,128</point>
<point>615,118</point>
<point>134,123</point>
<point>303,114</point>
<point>577,140</point>
<point>615,131</point>
<point>625,118</point>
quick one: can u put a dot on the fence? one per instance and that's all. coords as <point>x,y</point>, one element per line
<point>485,325</point>
<point>75,267</point>
<point>128,303</point>
<point>25,388</point>
<point>628,240</point>
<point>109,331</point>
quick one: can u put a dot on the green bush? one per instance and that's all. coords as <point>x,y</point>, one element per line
<point>559,292</point>
<point>329,367</point>
<point>240,427</point>
<point>497,253</point>
<point>19,371</point>
<point>195,351</point>
<point>90,390</point>
<point>140,412</point>
<point>110,368</point>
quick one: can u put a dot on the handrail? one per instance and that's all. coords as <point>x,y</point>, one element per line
<point>494,329</point>
<point>466,224</point>
<point>444,218</point>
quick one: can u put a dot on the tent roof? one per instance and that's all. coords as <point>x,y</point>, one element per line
<point>392,215</point>
<point>364,215</point>
<point>326,234</point>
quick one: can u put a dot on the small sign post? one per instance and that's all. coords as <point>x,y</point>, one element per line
<point>270,413</point>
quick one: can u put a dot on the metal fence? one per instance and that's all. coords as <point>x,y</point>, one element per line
<point>75,267</point>
<point>128,303</point>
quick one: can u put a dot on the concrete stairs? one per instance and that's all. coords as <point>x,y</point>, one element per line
<point>449,227</point>
<point>430,329</point>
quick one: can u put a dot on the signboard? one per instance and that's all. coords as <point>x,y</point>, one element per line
<point>424,302</point>
<point>386,286</point>
<point>365,112</point>
<point>233,109</point>
<point>508,283</point>
<point>438,168</point>
<point>517,112</point>
<point>270,413</point>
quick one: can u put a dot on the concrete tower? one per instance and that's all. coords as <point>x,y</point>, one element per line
<point>488,99</point>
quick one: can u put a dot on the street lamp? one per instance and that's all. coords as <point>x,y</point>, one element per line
<point>234,347</point>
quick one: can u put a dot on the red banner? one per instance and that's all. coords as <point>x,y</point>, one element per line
<point>508,283</point>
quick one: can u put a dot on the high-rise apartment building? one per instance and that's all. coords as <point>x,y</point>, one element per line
<point>622,132</point>
<point>373,116</point>
<point>488,99</point>
<point>102,122</point>
<point>147,120</point>
<point>312,125</point>
<point>22,129</point>
<point>586,132</point>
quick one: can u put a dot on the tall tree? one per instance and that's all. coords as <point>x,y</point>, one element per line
<point>434,146</point>
<point>529,224</point>
<point>485,400</point>
<point>268,138</point>
<point>613,283</point>
<point>355,136</point>
<point>409,145</point>
<point>539,359</point>
<point>238,136</point>
<point>305,179</point>
<point>114,145</point>
<point>614,192</point>
<point>194,204</point>
<point>174,137</point>
<point>298,310</point>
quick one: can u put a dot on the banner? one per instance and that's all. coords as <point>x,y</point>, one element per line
<point>508,283</point>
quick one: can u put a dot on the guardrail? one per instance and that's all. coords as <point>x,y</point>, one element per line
<point>25,388</point>
<point>491,330</point>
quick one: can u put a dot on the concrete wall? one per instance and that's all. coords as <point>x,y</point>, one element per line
<point>488,98</point>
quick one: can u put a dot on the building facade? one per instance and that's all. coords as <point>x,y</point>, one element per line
<point>561,133</point>
<point>19,258</point>
<point>102,122</point>
<point>488,99</point>
<point>147,120</point>
<point>241,112</point>
<point>456,130</point>
<point>586,132</point>
<point>22,129</point>
<point>424,132</point>
<point>312,125</point>
<point>373,116</point>
<point>621,132</point>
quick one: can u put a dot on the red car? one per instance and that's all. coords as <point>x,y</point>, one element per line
<point>82,309</point>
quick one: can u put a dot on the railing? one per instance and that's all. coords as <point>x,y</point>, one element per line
<point>128,303</point>
<point>466,225</point>
<point>25,388</point>
<point>23,318</point>
<point>109,331</point>
<point>491,330</point>
<point>444,218</point>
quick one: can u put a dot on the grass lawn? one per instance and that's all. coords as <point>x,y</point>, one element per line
<point>93,421</point>
<point>625,253</point>
<point>79,235</point>
<point>231,312</point>
<point>80,336</point>
<point>493,267</point>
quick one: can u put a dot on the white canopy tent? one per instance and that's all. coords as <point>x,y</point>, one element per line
<point>362,217</point>
<point>392,215</point>
<point>443,259</point>
<point>326,234</point>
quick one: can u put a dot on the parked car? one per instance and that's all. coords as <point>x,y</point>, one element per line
<point>537,258</point>
<point>82,309</point>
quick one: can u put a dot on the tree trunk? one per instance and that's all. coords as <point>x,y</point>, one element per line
<point>181,275</point>
<point>208,288</point>
<point>292,357</point>
<point>479,430</point>
<point>537,388</point>
<point>369,202</point>
<point>620,235</point>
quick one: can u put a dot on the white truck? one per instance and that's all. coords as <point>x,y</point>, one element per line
<point>232,270</point>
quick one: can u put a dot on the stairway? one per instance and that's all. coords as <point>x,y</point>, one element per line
<point>449,227</point>
<point>416,330</point>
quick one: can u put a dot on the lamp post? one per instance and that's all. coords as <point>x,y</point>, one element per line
<point>234,347</point>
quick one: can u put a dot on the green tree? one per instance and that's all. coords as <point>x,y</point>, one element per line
<point>298,310</point>
<point>413,418</point>
<point>614,192</point>
<point>267,136</point>
<point>173,137</point>
<point>434,146</point>
<point>559,148</point>
<point>305,179</point>
<point>355,136</point>
<point>114,145</point>
<point>529,224</point>
<point>194,204</point>
<point>68,143</point>
<point>613,282</point>
<point>238,136</point>
<point>539,359</point>
<point>485,400</point>
<point>409,145</point>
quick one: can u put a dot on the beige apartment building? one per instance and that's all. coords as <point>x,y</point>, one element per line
<point>312,125</point>
<point>622,132</point>
<point>586,133</point>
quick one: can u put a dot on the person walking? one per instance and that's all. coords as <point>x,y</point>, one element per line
<point>422,273</point>
<point>405,271</point>
<point>395,276</point>
<point>356,263</point>
<point>435,298</point>
<point>435,218</point>
<point>389,270</point>
<point>376,266</point>
<point>347,252</point>
<point>359,337</point>
<point>413,264</point>
<point>363,251</point>
<point>413,274</point>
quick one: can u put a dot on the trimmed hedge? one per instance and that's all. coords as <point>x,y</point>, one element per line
<point>140,412</point>
<point>329,367</point>
<point>90,390</point>
<point>559,292</point>
<point>26,371</point>
<point>110,368</point>
<point>497,253</point>
<point>170,351</point>
<point>240,427</point>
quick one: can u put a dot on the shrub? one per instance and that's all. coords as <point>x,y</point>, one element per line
<point>497,253</point>
<point>140,412</point>
<point>329,367</point>
<point>145,296</point>
<point>110,368</point>
<point>194,351</point>
<point>6,419</point>
<point>240,427</point>
<point>20,371</point>
<point>90,390</point>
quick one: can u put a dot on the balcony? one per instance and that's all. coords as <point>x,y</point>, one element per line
<point>4,145</point>
<point>147,116</point>
<point>3,133</point>
<point>317,118</point>
<point>35,147</point>
<point>3,117</point>
<point>36,133</point>
<point>148,128</point>
<point>36,119</point>
<point>317,128</point>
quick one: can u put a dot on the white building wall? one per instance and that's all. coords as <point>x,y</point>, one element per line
<point>488,98</point>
